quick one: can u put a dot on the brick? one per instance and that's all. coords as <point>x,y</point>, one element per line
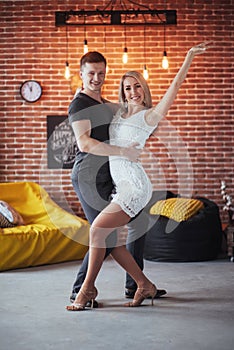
<point>202,115</point>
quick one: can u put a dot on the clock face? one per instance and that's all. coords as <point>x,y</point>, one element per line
<point>31,90</point>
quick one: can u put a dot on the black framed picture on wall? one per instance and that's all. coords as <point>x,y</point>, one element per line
<point>61,143</point>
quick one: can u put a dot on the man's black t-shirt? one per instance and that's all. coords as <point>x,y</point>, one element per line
<point>83,107</point>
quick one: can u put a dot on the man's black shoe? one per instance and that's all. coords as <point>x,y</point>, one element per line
<point>129,293</point>
<point>88,304</point>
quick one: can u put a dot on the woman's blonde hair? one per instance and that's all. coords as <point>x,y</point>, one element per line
<point>139,77</point>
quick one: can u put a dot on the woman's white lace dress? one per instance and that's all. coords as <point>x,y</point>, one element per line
<point>133,187</point>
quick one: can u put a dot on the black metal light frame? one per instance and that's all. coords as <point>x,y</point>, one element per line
<point>114,17</point>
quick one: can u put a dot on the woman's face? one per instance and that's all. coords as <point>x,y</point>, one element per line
<point>133,91</point>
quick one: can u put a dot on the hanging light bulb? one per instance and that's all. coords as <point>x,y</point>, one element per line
<point>67,73</point>
<point>107,68</point>
<point>86,49</point>
<point>165,63</point>
<point>125,55</point>
<point>145,72</point>
<point>125,51</point>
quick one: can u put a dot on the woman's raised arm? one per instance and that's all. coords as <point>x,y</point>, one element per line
<point>155,114</point>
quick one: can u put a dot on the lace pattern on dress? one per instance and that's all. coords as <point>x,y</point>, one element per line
<point>133,187</point>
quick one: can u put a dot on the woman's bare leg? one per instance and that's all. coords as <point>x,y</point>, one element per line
<point>128,263</point>
<point>110,218</point>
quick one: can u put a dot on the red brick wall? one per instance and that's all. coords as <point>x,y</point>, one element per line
<point>193,149</point>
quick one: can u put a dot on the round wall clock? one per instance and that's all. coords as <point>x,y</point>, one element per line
<point>31,90</point>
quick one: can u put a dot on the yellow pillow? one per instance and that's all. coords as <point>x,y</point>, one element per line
<point>178,209</point>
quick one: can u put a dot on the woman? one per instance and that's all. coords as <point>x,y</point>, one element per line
<point>134,122</point>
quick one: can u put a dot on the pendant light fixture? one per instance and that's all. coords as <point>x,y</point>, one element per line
<point>107,68</point>
<point>123,13</point>
<point>145,70</point>
<point>165,62</point>
<point>125,51</point>
<point>86,49</point>
<point>67,73</point>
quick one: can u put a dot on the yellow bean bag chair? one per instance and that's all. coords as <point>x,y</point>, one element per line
<point>49,234</point>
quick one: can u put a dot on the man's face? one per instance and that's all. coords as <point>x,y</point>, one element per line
<point>93,76</point>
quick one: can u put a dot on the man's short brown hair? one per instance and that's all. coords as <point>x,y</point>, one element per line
<point>92,57</point>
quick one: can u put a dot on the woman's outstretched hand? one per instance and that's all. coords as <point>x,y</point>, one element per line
<point>200,48</point>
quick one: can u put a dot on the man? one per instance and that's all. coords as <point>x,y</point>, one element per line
<point>90,116</point>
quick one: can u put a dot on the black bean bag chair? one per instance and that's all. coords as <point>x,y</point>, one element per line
<point>198,238</point>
